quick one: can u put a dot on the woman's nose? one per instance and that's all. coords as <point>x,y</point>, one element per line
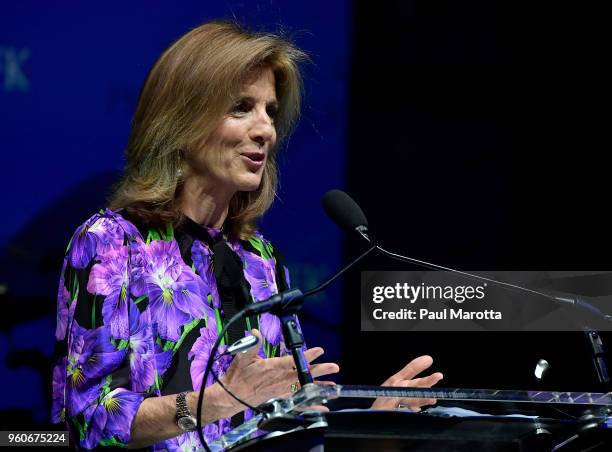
<point>262,130</point>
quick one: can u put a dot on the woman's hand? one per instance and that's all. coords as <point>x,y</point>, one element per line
<point>405,379</point>
<point>256,380</point>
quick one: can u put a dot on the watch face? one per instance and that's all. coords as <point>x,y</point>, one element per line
<point>187,423</point>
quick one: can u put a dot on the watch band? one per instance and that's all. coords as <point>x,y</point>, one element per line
<point>182,409</point>
<point>184,418</point>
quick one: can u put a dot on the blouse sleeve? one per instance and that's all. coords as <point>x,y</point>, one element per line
<point>106,364</point>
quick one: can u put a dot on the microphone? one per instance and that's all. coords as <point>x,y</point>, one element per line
<point>345,212</point>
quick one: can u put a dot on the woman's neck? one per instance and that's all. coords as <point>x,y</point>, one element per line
<point>203,205</point>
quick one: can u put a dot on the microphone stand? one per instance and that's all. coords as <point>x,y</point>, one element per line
<point>285,306</point>
<point>598,356</point>
<point>294,340</point>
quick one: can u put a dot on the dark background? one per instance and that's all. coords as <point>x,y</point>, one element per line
<point>473,134</point>
<point>477,141</point>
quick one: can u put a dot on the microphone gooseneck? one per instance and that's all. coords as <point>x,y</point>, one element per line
<point>347,214</point>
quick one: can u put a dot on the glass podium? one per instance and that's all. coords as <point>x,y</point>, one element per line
<point>463,420</point>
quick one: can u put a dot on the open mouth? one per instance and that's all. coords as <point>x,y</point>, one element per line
<point>255,156</point>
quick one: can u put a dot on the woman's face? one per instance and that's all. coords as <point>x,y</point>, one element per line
<point>234,156</point>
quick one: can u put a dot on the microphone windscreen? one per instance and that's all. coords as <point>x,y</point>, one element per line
<point>345,212</point>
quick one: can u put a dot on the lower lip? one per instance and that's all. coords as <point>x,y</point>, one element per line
<point>253,164</point>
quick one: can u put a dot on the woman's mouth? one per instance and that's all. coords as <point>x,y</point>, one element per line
<point>253,160</point>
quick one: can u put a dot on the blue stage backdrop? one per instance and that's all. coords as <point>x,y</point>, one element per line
<point>70,74</point>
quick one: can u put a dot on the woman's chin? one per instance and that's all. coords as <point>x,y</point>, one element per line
<point>249,189</point>
<point>249,184</point>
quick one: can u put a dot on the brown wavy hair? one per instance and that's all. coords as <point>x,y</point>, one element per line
<point>189,90</point>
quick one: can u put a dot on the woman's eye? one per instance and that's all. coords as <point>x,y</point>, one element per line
<point>241,107</point>
<point>272,111</point>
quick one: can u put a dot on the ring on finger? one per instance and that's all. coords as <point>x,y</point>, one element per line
<point>295,387</point>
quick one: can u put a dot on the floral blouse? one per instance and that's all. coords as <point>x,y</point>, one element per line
<point>137,313</point>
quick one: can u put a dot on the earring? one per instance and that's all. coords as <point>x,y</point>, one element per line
<point>179,171</point>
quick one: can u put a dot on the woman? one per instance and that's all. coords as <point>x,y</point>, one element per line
<point>147,284</point>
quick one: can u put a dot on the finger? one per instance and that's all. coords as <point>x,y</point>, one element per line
<point>412,369</point>
<point>319,408</point>
<point>283,388</point>
<point>385,403</point>
<point>416,403</point>
<point>254,351</point>
<point>310,355</point>
<point>319,370</point>
<point>284,363</point>
<point>313,353</point>
<point>288,364</point>
<point>423,382</point>
<point>245,359</point>
<point>325,382</point>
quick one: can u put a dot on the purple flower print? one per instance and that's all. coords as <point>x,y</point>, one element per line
<point>84,243</point>
<point>64,312</point>
<point>62,306</point>
<point>214,430</point>
<point>109,277</point>
<point>286,271</point>
<point>260,275</point>
<point>190,442</point>
<point>175,292</point>
<point>112,417</point>
<point>58,411</point>
<point>201,256</point>
<point>163,359</point>
<point>199,354</point>
<point>187,442</point>
<point>100,234</point>
<point>122,224</point>
<point>142,351</point>
<point>271,328</point>
<point>91,356</point>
